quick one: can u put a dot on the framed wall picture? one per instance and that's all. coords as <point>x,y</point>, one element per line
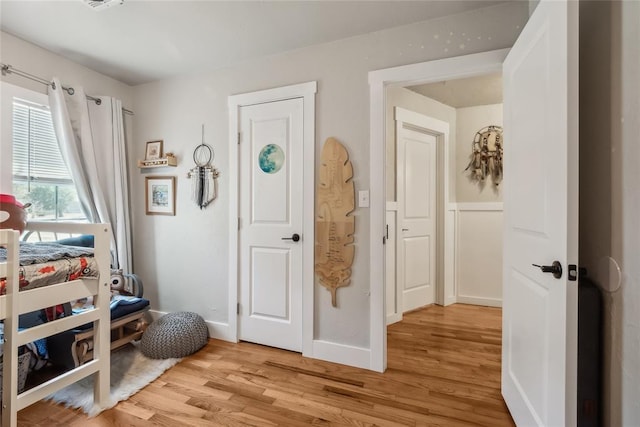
<point>160,195</point>
<point>153,151</point>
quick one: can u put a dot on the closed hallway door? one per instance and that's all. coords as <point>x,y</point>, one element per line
<point>271,223</point>
<point>416,241</point>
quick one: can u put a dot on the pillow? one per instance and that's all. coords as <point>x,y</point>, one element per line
<point>85,241</point>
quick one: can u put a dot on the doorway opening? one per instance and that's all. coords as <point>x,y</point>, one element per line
<point>418,182</point>
<point>380,81</point>
<point>445,224</point>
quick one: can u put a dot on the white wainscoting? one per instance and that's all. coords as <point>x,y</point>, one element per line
<point>479,253</point>
<point>472,259</point>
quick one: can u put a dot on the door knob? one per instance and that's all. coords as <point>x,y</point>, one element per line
<point>295,237</point>
<point>555,268</point>
<point>405,229</point>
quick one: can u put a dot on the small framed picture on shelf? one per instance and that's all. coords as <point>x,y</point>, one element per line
<point>153,151</point>
<point>160,195</point>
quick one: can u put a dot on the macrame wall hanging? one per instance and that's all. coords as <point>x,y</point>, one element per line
<point>204,184</point>
<point>486,155</point>
<point>335,223</point>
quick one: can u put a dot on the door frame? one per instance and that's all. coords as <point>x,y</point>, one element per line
<point>424,72</point>
<point>306,91</point>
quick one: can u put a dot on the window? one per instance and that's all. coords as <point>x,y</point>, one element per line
<point>40,176</point>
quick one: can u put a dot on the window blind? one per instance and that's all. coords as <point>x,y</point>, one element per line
<point>36,155</point>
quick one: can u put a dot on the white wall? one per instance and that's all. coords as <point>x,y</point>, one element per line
<point>42,63</point>
<point>623,307</point>
<point>478,216</point>
<point>609,195</point>
<point>183,258</point>
<point>469,121</point>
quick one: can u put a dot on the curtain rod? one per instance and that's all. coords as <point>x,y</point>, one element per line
<point>8,69</point>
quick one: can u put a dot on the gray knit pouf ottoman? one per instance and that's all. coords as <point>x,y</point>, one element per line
<point>174,335</point>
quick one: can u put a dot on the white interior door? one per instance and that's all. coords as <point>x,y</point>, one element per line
<point>271,216</point>
<point>416,188</point>
<point>539,342</point>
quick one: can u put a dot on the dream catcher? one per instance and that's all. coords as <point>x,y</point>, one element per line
<point>486,157</point>
<point>204,185</point>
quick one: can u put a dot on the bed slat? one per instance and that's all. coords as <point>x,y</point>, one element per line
<point>48,296</point>
<point>55,327</point>
<point>45,389</point>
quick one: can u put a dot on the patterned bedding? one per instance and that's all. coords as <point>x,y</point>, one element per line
<point>43,264</point>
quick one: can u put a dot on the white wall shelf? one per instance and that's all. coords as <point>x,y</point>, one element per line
<point>157,163</point>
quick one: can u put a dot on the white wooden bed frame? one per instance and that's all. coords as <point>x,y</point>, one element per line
<point>15,303</point>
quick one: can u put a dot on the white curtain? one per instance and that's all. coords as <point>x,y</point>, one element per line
<point>92,142</point>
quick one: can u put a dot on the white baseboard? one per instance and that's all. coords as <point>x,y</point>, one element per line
<point>393,318</point>
<point>489,302</point>
<point>221,331</point>
<point>217,330</point>
<point>155,314</point>
<point>323,350</point>
<point>450,300</point>
<point>343,354</point>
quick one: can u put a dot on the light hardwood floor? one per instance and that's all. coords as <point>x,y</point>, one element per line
<point>443,370</point>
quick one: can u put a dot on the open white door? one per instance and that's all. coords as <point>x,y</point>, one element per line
<point>539,343</point>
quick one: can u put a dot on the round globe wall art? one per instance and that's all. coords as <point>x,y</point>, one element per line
<point>271,158</point>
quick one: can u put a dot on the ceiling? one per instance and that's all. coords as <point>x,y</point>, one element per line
<point>468,92</point>
<point>142,41</point>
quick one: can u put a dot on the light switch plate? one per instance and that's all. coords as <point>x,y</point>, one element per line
<point>363,198</point>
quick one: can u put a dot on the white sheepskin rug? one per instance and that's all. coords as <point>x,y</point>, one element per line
<point>130,372</point>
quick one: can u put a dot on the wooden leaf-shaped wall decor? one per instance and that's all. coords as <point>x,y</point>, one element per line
<point>334,223</point>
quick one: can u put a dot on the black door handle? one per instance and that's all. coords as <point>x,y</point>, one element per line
<point>295,237</point>
<point>555,268</point>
